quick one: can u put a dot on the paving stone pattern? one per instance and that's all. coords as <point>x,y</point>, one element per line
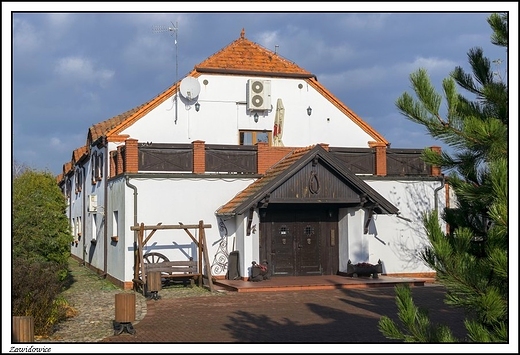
<point>195,315</point>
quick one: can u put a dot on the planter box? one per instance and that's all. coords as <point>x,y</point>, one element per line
<point>364,269</point>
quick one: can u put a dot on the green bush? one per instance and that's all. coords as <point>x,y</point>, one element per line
<point>35,292</point>
<point>41,231</point>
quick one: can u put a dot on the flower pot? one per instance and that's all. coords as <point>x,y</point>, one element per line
<point>364,269</point>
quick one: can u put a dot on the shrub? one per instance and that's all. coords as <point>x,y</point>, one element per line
<point>41,231</point>
<point>35,292</point>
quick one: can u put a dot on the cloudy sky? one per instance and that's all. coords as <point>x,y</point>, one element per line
<point>73,69</point>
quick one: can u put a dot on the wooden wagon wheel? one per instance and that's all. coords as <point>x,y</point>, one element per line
<point>154,258</point>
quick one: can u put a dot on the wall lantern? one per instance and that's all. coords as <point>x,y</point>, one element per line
<point>256,116</point>
<point>197,106</point>
<point>309,110</point>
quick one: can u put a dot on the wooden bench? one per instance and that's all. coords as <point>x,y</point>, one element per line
<point>175,269</point>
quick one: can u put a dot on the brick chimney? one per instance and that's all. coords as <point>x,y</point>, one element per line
<point>113,162</point>
<point>120,160</point>
<point>380,166</point>
<point>199,157</point>
<point>131,156</point>
<point>436,170</point>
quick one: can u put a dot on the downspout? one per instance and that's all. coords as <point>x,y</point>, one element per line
<point>436,191</point>
<point>105,210</point>
<point>133,187</point>
<point>84,216</point>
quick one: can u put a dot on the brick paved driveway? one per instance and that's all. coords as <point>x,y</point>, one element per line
<point>320,316</point>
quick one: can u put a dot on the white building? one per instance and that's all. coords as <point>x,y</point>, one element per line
<point>256,147</point>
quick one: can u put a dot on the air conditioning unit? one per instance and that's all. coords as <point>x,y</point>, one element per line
<point>92,203</point>
<point>258,95</point>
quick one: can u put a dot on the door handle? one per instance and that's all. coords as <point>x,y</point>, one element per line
<point>300,246</point>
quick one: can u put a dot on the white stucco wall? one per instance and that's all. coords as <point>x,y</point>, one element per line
<point>119,252</point>
<point>170,201</point>
<point>223,113</point>
<point>395,241</point>
<point>247,245</point>
<point>76,218</point>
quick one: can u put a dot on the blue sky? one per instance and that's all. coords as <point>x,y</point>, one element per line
<point>73,69</point>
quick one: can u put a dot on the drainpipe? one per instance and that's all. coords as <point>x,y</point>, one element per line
<point>436,191</point>
<point>84,216</point>
<point>133,187</point>
<point>105,210</point>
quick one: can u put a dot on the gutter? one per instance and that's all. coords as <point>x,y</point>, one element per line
<point>256,73</point>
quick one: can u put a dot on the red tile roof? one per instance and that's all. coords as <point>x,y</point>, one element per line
<point>243,55</point>
<point>79,153</point>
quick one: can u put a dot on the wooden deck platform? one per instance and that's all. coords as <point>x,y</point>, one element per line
<point>324,282</point>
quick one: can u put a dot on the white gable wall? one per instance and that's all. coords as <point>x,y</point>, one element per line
<point>223,113</point>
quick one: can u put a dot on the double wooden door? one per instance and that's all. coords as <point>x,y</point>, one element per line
<point>295,248</point>
<point>299,239</point>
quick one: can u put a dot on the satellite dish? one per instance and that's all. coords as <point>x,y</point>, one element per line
<point>190,88</point>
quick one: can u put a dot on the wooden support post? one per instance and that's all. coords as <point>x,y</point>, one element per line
<point>201,281</point>
<point>206,256</point>
<point>141,258</point>
<point>23,329</point>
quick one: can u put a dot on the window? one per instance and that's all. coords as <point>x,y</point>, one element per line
<point>79,227</point>
<point>97,167</point>
<point>68,187</point>
<point>78,180</point>
<point>253,137</point>
<point>93,166</point>
<point>115,224</point>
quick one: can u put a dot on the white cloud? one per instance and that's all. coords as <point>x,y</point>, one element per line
<point>432,65</point>
<point>60,20</point>
<point>25,37</point>
<point>56,142</point>
<point>364,21</point>
<point>78,69</point>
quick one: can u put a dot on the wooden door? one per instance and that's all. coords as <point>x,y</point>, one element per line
<point>308,249</point>
<point>295,249</point>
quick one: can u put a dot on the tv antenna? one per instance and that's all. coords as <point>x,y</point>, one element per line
<point>173,28</point>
